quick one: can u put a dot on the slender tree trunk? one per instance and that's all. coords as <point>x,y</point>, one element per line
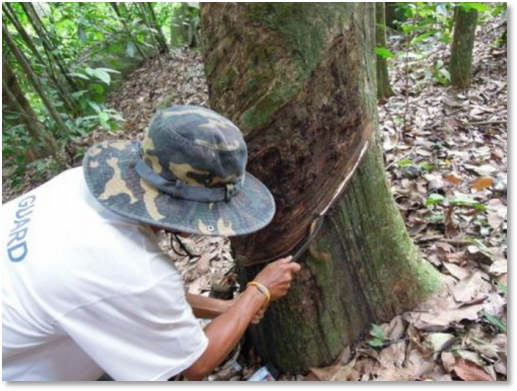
<point>62,90</point>
<point>157,27</point>
<point>391,16</point>
<point>122,20</point>
<point>299,80</point>
<point>462,46</point>
<point>383,79</point>
<point>145,20</point>
<point>50,49</point>
<point>34,80</point>
<point>11,15</point>
<point>29,118</point>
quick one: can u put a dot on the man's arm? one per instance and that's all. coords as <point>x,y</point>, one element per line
<point>207,307</point>
<point>225,331</point>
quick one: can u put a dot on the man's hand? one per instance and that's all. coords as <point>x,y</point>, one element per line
<point>277,277</point>
<point>225,331</point>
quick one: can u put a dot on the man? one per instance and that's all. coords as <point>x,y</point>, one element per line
<point>86,289</point>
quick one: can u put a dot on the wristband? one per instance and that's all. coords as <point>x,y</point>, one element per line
<point>261,288</point>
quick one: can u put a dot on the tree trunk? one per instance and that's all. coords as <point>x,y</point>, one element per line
<point>299,80</point>
<point>34,80</point>
<point>462,46</point>
<point>391,15</point>
<point>17,100</point>
<point>179,33</point>
<point>13,18</point>
<point>62,90</point>
<point>145,20</point>
<point>383,78</point>
<point>159,33</point>
<point>50,49</point>
<point>124,23</point>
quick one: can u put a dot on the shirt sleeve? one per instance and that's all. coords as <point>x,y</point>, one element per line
<point>152,335</point>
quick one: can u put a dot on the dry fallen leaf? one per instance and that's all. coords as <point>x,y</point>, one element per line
<point>448,361</point>
<point>483,182</point>
<point>452,178</point>
<point>469,371</point>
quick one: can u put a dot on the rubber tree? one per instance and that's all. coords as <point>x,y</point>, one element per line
<point>383,79</point>
<point>299,80</point>
<point>463,45</point>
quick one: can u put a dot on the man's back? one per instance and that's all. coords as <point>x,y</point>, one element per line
<point>67,263</point>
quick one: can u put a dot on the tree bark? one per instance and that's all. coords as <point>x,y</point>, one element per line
<point>383,78</point>
<point>462,46</point>
<point>299,80</point>
<point>391,15</point>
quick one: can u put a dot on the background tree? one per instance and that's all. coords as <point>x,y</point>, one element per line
<point>383,79</point>
<point>47,64</point>
<point>299,80</point>
<point>44,141</point>
<point>50,49</point>
<point>36,82</point>
<point>463,45</point>
<point>153,23</point>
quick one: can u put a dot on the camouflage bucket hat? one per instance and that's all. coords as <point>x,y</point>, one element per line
<point>188,174</point>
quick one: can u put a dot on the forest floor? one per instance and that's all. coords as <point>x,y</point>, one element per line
<point>446,157</point>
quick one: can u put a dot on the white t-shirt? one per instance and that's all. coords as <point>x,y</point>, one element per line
<point>86,291</point>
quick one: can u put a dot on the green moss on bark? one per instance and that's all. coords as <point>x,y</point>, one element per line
<point>383,80</point>
<point>462,46</point>
<point>374,273</point>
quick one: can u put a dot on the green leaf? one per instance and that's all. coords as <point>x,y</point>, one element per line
<point>428,166</point>
<point>379,332</point>
<point>421,37</point>
<point>465,201</point>
<point>383,52</point>
<point>445,73</point>
<point>131,49</point>
<point>99,89</point>
<point>94,106</point>
<point>79,75</point>
<point>495,321</point>
<point>103,119</point>
<point>102,75</point>
<point>435,199</point>
<point>499,9</point>
<point>476,6</point>
<point>79,94</point>
<point>405,162</point>
<point>503,288</point>
<point>437,218</point>
<point>376,343</point>
<point>109,70</point>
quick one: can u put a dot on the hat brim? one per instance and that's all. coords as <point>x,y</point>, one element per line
<point>112,179</point>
